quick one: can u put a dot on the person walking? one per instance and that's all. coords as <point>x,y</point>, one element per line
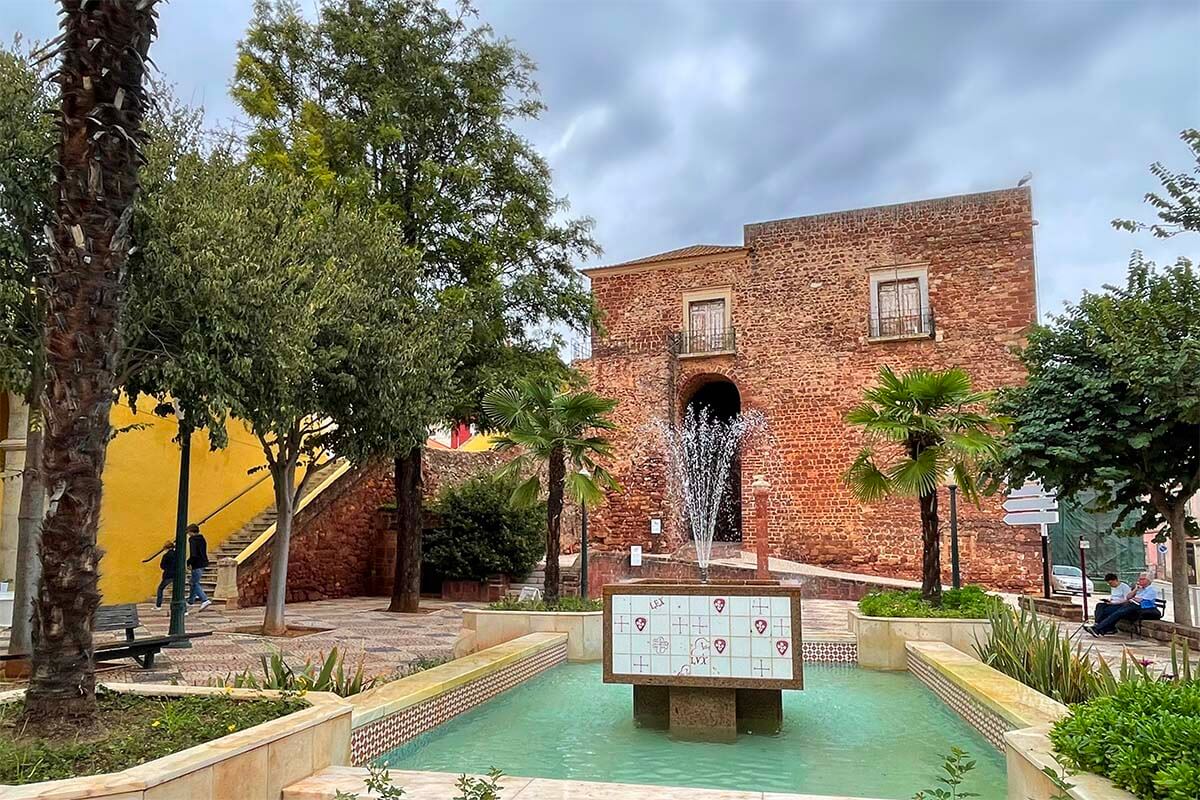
<point>167,565</point>
<point>197,561</point>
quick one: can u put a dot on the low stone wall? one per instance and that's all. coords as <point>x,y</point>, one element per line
<point>483,628</point>
<point>882,640</point>
<point>1062,607</point>
<point>1029,753</point>
<point>392,714</point>
<point>1165,631</point>
<point>258,762</point>
<point>614,567</point>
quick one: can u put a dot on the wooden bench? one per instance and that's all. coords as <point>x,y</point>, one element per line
<point>125,617</point>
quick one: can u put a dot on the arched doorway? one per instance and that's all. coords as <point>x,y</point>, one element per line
<point>722,399</point>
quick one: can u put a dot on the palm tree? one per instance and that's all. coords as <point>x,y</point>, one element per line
<point>556,429</point>
<point>103,54</point>
<point>920,426</point>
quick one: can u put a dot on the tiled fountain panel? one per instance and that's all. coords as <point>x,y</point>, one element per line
<point>378,737</point>
<point>979,716</point>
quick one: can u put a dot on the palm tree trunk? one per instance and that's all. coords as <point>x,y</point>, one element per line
<point>1179,566</point>
<point>554,509</point>
<point>283,476</point>
<point>30,510</point>
<point>931,550</point>
<point>103,61</point>
<point>406,581</point>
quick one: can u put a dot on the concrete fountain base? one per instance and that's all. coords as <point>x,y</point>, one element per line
<point>708,714</point>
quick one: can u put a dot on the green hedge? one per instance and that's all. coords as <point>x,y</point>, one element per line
<point>479,533</point>
<point>1145,737</point>
<point>969,602</point>
<point>563,604</point>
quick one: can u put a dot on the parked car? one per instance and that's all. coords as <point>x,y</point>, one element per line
<point>1066,579</point>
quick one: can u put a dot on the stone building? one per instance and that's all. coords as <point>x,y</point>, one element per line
<point>795,322</point>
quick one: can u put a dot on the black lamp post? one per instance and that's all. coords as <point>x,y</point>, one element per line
<point>952,485</point>
<point>179,584</point>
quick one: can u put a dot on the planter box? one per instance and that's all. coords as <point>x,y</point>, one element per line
<point>483,628</point>
<point>258,762</point>
<point>489,591</point>
<point>1028,751</point>
<point>881,640</point>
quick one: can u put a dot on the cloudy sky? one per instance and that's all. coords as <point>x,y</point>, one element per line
<point>673,122</point>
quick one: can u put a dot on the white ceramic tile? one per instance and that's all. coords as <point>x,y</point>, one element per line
<point>760,606</point>
<point>739,667</point>
<point>622,624</point>
<point>720,624</point>
<point>639,604</point>
<point>720,606</point>
<point>781,627</point>
<point>620,663</point>
<point>760,667</point>
<point>719,665</point>
<point>620,644</point>
<point>698,604</point>
<point>639,644</point>
<point>620,604</point>
<point>660,645</point>
<point>739,646</point>
<point>679,604</point>
<point>782,668</point>
<point>660,624</point>
<point>739,606</point>
<point>783,648</point>
<point>658,605</point>
<point>660,665</point>
<point>760,626</point>
<point>680,645</point>
<point>679,662</point>
<point>781,606</point>
<point>762,647</point>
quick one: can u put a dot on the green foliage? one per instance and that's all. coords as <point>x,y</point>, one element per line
<point>27,133</point>
<point>562,604</point>
<point>969,602</point>
<point>329,674</point>
<point>1038,654</point>
<point>1178,207</point>
<point>410,106</point>
<point>378,782</point>
<point>486,788</point>
<point>544,423</point>
<point>956,766</point>
<point>921,425</point>
<point>131,730</point>
<point>479,533</point>
<point>1144,736</point>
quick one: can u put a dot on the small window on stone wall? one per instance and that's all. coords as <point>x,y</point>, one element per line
<point>900,304</point>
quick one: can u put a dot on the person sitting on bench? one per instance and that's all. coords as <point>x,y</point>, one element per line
<point>1140,604</point>
<point>1120,593</point>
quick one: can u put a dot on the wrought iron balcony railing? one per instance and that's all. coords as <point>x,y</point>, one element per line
<point>690,343</point>
<point>902,326</point>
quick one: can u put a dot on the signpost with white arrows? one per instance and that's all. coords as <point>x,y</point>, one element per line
<point>1033,505</point>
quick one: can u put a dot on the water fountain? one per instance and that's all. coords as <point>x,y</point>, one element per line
<point>706,659</point>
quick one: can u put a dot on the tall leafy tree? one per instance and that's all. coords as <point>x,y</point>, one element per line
<point>920,425</point>
<point>103,55</point>
<point>1112,404</point>
<point>559,433</point>
<point>412,105</point>
<point>298,312</point>
<point>27,134</point>
<point>1178,204</point>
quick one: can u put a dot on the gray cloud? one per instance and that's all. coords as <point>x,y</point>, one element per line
<point>676,121</point>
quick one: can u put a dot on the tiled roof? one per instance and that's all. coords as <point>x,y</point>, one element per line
<point>692,251</point>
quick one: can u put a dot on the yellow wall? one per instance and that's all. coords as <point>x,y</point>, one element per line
<point>141,479</point>
<point>477,443</point>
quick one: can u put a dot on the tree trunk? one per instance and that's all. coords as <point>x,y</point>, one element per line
<point>406,582</point>
<point>1180,600</point>
<point>554,509</point>
<point>29,517</point>
<point>284,480</point>
<point>931,550</point>
<point>103,57</point>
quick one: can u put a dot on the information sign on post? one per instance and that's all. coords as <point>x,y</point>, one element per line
<point>1032,504</point>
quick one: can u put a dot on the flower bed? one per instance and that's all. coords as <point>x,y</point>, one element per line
<point>969,602</point>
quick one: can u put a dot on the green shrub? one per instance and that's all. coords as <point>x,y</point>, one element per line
<point>969,602</point>
<point>1145,737</point>
<point>479,533</point>
<point>331,676</point>
<point>563,604</point>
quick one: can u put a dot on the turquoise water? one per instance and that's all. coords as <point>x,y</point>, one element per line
<point>850,732</point>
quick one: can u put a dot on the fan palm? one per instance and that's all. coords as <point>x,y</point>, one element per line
<point>558,430</point>
<point>920,426</point>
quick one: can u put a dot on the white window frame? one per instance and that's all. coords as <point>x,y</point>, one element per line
<point>880,275</point>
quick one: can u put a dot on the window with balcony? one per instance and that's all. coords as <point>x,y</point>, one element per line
<point>707,323</point>
<point>900,304</point>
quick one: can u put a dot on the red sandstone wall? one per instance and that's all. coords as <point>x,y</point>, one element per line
<point>800,307</point>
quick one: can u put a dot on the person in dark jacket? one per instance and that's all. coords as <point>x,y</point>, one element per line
<point>197,561</point>
<point>167,565</point>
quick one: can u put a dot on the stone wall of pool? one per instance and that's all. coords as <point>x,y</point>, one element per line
<point>390,715</point>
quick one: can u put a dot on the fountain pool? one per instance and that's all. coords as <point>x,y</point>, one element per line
<point>850,732</point>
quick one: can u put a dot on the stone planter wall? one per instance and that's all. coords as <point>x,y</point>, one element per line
<point>1054,606</point>
<point>253,764</point>
<point>881,640</point>
<point>483,628</point>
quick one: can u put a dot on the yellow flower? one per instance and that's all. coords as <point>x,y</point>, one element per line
<point>303,692</point>
<point>232,728</point>
<point>157,723</point>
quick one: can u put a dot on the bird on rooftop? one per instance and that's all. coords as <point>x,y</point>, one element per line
<point>1026,178</point>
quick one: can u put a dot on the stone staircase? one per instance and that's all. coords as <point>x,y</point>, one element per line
<point>243,538</point>
<point>568,579</point>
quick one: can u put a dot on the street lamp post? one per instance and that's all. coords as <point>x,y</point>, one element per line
<point>179,583</point>
<point>583,542</point>
<point>952,485</point>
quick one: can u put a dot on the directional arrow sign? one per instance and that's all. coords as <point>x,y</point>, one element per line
<point>1042,503</point>
<point>1031,518</point>
<point>1030,489</point>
